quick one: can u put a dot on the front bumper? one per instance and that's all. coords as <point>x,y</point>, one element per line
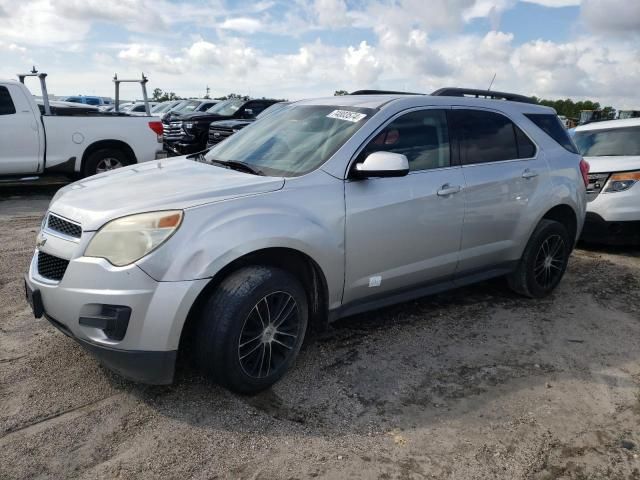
<point>154,368</point>
<point>598,230</point>
<point>146,351</point>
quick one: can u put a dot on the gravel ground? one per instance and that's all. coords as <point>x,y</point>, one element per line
<point>473,383</point>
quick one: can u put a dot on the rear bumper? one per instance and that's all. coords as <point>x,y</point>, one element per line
<point>598,230</point>
<point>155,368</point>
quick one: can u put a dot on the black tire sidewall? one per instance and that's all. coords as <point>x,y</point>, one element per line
<point>223,319</point>
<point>94,159</point>
<point>545,229</point>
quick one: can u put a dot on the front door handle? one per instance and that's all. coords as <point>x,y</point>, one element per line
<point>529,173</point>
<point>447,189</point>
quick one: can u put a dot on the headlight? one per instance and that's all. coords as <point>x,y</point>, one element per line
<point>187,125</point>
<point>619,182</point>
<point>126,240</point>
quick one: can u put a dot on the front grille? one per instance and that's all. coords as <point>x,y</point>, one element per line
<point>596,184</point>
<point>51,267</point>
<point>59,224</point>
<point>172,131</point>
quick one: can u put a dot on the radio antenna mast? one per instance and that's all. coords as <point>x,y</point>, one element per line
<point>491,84</point>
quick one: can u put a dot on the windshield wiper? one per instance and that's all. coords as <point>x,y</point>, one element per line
<point>236,165</point>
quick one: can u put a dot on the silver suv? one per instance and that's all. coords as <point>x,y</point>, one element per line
<point>327,208</point>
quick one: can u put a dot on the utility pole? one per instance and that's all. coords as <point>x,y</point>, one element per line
<point>208,90</point>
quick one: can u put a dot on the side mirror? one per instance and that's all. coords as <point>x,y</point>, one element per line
<point>248,113</point>
<point>382,164</point>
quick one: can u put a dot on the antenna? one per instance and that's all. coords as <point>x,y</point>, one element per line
<point>491,84</point>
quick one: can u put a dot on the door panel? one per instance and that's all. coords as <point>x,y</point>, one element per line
<point>404,232</point>
<point>400,230</point>
<point>19,133</point>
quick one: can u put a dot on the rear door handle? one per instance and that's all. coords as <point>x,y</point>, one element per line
<point>529,173</point>
<point>447,189</point>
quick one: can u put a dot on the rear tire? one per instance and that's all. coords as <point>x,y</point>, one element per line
<point>251,329</point>
<point>104,160</point>
<point>543,262</point>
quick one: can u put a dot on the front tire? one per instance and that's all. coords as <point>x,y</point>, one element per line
<point>543,262</point>
<point>251,329</point>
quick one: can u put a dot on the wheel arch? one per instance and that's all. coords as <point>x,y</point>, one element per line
<point>301,265</point>
<point>565,215</point>
<point>102,144</point>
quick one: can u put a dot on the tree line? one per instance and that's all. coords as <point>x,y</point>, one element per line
<point>160,95</point>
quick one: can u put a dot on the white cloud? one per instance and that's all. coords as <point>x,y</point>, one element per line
<point>619,17</point>
<point>331,13</point>
<point>362,64</point>
<point>554,3</point>
<point>242,25</point>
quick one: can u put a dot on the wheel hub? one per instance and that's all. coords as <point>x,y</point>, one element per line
<point>268,334</point>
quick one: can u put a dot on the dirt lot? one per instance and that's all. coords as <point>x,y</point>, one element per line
<point>475,383</point>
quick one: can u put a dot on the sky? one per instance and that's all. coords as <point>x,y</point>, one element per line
<point>309,48</point>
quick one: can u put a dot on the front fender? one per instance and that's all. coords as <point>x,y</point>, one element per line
<point>212,237</point>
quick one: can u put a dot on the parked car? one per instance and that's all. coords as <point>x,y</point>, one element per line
<point>164,107</point>
<point>327,208</point>
<point>223,129</point>
<point>70,138</point>
<point>188,132</point>
<point>138,108</point>
<point>88,100</point>
<point>612,148</point>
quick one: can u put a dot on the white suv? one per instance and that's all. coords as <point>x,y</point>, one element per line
<point>612,148</point>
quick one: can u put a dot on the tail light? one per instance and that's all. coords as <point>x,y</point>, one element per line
<point>584,170</point>
<point>157,128</point>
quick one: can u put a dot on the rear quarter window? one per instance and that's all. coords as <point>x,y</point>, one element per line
<point>552,126</point>
<point>6,103</point>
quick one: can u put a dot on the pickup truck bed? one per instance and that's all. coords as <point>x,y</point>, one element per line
<point>72,140</point>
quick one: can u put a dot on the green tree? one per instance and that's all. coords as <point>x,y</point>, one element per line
<point>338,93</point>
<point>233,95</point>
<point>160,96</point>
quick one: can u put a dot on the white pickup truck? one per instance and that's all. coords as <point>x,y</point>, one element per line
<point>41,139</point>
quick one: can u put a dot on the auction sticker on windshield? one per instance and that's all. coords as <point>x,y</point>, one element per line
<point>347,115</point>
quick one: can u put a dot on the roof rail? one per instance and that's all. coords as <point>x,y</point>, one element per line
<point>464,92</point>
<point>382,92</point>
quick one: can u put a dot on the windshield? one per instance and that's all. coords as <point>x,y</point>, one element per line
<point>162,107</point>
<point>293,141</point>
<point>226,108</point>
<point>276,107</point>
<point>189,106</point>
<point>615,142</point>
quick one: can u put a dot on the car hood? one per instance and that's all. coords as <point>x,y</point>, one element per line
<point>231,123</point>
<point>195,116</point>
<point>174,183</point>
<point>613,164</point>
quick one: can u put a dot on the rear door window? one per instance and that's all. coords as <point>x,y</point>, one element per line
<point>6,103</point>
<point>553,126</point>
<point>488,137</point>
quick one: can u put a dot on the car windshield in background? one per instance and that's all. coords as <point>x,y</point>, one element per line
<point>163,107</point>
<point>276,107</point>
<point>615,142</point>
<point>293,141</point>
<point>226,108</point>
<point>189,107</point>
